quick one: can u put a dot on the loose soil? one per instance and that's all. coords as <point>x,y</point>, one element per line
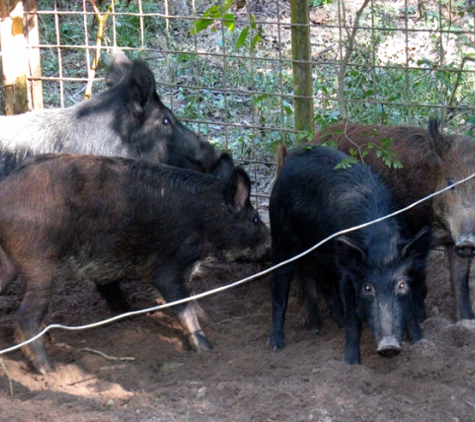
<point>240,379</point>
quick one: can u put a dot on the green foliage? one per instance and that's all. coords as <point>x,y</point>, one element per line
<point>317,3</point>
<point>218,13</point>
<point>382,150</point>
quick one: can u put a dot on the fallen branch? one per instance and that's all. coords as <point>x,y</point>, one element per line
<point>106,356</point>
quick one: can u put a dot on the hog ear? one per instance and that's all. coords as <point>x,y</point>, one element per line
<point>223,167</point>
<point>119,67</point>
<point>439,144</point>
<point>238,188</point>
<point>349,251</point>
<point>141,85</point>
<point>419,244</point>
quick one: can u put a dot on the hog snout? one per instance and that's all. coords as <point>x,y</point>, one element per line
<point>465,247</point>
<point>389,347</point>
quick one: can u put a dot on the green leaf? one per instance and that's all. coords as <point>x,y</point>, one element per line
<point>229,21</point>
<point>347,162</point>
<point>386,142</point>
<point>242,37</point>
<point>201,25</point>
<point>255,40</point>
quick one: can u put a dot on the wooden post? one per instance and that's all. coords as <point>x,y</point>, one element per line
<point>302,71</point>
<point>21,64</point>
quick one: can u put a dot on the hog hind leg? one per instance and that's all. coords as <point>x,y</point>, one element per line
<point>280,286</point>
<point>308,293</point>
<point>31,312</point>
<point>171,284</point>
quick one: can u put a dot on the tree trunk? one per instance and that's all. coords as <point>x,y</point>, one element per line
<point>302,71</point>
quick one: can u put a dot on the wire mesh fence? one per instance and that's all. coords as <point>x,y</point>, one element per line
<point>225,67</point>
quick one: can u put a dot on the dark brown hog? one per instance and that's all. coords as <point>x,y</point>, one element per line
<point>111,218</point>
<point>431,161</point>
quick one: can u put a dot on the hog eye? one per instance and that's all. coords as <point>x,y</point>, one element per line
<point>450,182</point>
<point>166,121</point>
<point>256,219</point>
<point>366,287</point>
<point>402,287</point>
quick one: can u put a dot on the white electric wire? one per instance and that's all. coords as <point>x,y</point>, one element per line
<point>236,283</point>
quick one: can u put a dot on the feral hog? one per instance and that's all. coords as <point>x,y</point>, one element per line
<point>127,120</point>
<point>376,267</point>
<point>112,218</point>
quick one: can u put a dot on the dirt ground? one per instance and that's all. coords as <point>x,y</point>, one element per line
<point>240,379</point>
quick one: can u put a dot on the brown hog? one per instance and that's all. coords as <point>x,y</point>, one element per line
<point>106,219</point>
<point>431,161</point>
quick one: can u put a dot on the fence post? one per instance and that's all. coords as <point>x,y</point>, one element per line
<point>302,71</point>
<point>20,62</point>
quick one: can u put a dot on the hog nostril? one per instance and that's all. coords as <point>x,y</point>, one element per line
<point>389,353</point>
<point>465,250</point>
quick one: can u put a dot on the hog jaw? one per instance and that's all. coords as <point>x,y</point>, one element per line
<point>462,230</point>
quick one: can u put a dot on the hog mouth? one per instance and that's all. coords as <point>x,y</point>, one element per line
<point>389,347</point>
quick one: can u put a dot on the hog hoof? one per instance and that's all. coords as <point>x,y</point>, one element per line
<point>275,343</point>
<point>45,367</point>
<point>199,342</point>
<point>353,359</point>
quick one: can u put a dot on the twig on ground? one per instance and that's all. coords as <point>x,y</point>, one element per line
<point>2,365</point>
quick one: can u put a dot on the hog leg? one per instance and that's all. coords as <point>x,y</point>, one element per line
<point>413,329</point>
<point>313,277</point>
<point>331,292</point>
<point>30,317</point>
<point>172,287</point>
<point>281,279</point>
<point>307,278</point>
<point>353,325</point>
<point>189,320</point>
<point>420,294</point>
<point>459,276</point>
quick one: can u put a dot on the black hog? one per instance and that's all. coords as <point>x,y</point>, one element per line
<point>431,161</point>
<point>111,218</point>
<point>127,120</point>
<point>376,267</point>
